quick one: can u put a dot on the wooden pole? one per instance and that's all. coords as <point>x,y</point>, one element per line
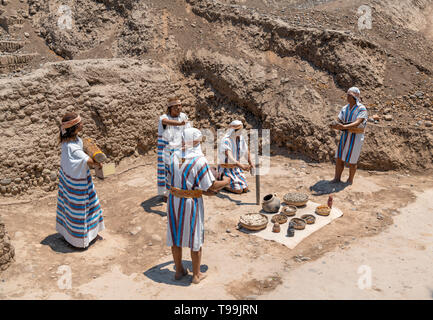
<point>257,172</point>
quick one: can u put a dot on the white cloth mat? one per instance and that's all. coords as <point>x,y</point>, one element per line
<point>300,235</point>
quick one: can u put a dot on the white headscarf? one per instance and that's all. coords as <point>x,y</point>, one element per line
<point>354,92</point>
<point>187,149</point>
<point>230,134</point>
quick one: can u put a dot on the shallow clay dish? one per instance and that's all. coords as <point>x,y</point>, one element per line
<point>280,218</point>
<point>295,199</point>
<point>309,218</point>
<point>289,211</point>
<point>323,210</point>
<point>298,224</point>
<point>253,221</point>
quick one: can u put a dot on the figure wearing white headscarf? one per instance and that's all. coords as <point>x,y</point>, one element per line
<point>170,128</point>
<point>353,115</point>
<point>233,150</point>
<point>188,171</point>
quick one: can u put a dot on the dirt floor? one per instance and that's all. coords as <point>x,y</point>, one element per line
<point>386,228</point>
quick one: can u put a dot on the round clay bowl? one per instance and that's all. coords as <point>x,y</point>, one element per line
<point>298,224</point>
<point>280,218</point>
<point>289,211</point>
<point>323,210</point>
<point>309,218</point>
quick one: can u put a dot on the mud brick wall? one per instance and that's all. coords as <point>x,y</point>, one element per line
<point>7,251</point>
<point>119,101</point>
<point>13,62</point>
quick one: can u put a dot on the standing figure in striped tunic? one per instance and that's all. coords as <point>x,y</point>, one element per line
<point>170,128</point>
<point>353,115</point>
<point>232,150</point>
<point>189,177</point>
<point>79,214</point>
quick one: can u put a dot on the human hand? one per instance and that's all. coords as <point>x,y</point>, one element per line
<point>244,167</point>
<point>226,180</point>
<point>209,193</point>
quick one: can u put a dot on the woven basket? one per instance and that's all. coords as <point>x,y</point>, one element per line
<point>289,211</point>
<point>289,201</point>
<point>296,204</point>
<point>298,224</point>
<point>280,218</point>
<point>309,218</point>
<point>254,228</point>
<point>323,210</point>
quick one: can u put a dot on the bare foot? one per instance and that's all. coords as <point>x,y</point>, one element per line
<point>181,274</point>
<point>335,181</point>
<point>349,182</point>
<point>198,278</point>
<point>234,190</point>
<point>98,237</point>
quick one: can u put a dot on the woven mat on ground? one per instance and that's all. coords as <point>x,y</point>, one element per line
<point>300,235</point>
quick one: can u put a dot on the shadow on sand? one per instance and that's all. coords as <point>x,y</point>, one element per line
<point>155,201</point>
<point>162,274</point>
<point>58,244</point>
<point>224,194</point>
<point>327,187</point>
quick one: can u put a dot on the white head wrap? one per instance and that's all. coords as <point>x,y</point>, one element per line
<point>236,123</point>
<point>230,134</point>
<point>189,137</point>
<point>354,92</point>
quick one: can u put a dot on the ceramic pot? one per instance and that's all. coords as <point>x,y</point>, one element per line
<point>271,203</point>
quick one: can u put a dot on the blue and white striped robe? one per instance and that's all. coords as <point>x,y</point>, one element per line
<point>79,214</point>
<point>237,177</point>
<point>185,217</point>
<point>350,144</point>
<point>164,153</point>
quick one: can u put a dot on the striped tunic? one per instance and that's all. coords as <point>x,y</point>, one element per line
<point>350,144</point>
<point>185,217</point>
<point>79,214</point>
<point>165,135</point>
<point>236,175</point>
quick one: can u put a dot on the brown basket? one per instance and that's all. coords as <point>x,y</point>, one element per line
<point>290,202</point>
<point>254,228</point>
<point>309,218</point>
<point>280,218</point>
<point>298,224</point>
<point>296,204</point>
<point>289,211</point>
<point>323,210</point>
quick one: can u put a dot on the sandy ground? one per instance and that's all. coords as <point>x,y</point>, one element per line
<point>133,262</point>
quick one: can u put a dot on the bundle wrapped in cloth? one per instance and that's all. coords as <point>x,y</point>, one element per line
<point>94,151</point>
<point>91,148</point>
